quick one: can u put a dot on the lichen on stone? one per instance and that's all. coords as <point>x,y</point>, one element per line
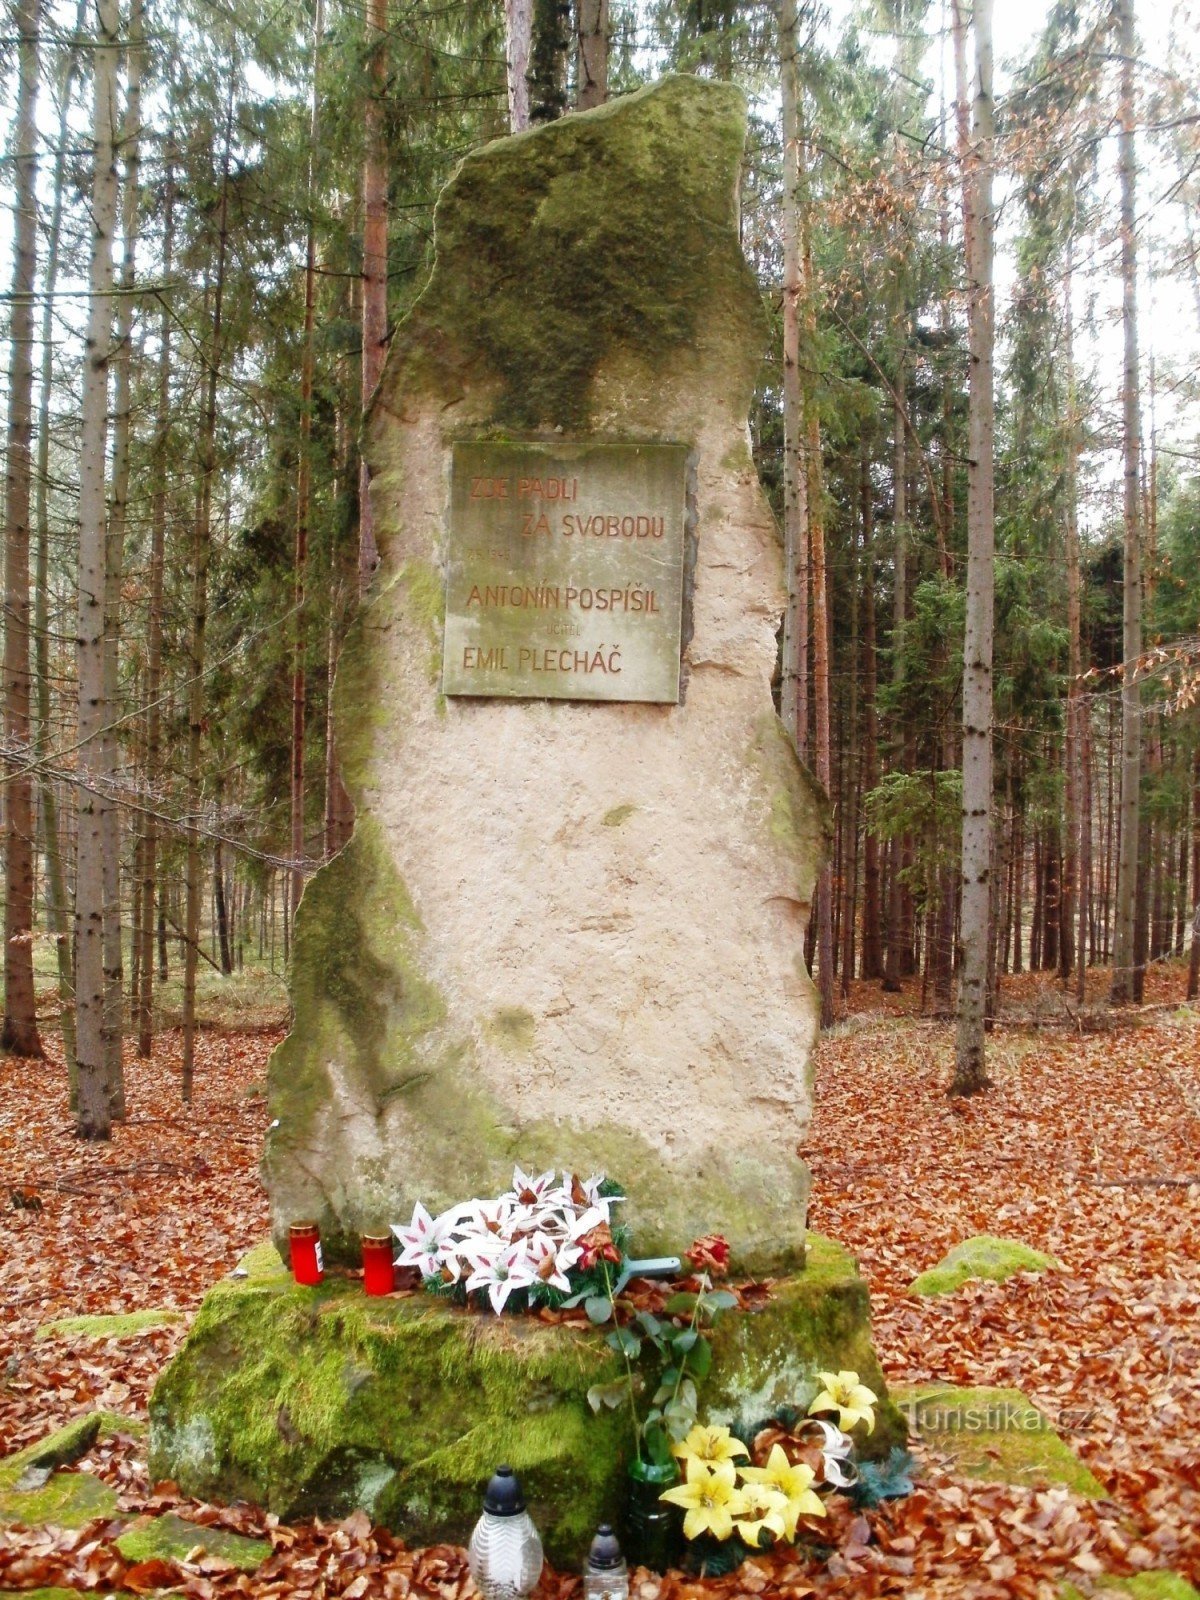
<point>983,1256</point>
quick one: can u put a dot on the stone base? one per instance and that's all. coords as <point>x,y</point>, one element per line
<point>317,1401</point>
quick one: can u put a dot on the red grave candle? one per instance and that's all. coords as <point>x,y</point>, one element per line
<point>379,1275</point>
<point>308,1266</point>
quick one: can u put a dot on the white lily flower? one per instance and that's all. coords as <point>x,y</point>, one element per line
<point>552,1259</point>
<point>501,1273</point>
<point>422,1241</point>
<point>530,1191</point>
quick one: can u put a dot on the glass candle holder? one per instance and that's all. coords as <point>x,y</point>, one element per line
<point>379,1273</point>
<point>505,1553</point>
<point>605,1574</point>
<point>308,1264</point>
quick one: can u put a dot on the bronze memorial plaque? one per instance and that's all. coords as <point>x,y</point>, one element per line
<point>564,571</point>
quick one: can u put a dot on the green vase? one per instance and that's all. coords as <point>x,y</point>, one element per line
<point>653,1528</point>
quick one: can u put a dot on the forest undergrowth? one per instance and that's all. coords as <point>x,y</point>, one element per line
<point>1088,1147</point>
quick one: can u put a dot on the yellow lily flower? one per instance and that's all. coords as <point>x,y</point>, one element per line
<point>709,1445</point>
<point>766,1509</point>
<point>793,1481</point>
<point>852,1400</point>
<point>711,1499</point>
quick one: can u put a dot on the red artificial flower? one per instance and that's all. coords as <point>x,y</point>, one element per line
<point>710,1254</point>
<point>597,1245</point>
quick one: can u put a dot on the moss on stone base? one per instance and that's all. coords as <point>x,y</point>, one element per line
<point>817,1321</point>
<point>32,1499</point>
<point>984,1256</point>
<point>124,1326</point>
<point>172,1538</point>
<point>315,1401</point>
<point>997,1435</point>
<point>1145,1586</point>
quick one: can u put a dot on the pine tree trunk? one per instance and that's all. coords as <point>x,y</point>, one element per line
<point>894,961</point>
<point>851,787</point>
<point>970,1073</point>
<point>1124,958</point>
<point>518,37</point>
<point>114,999</point>
<point>821,646</point>
<point>58,909</point>
<point>304,479</point>
<point>793,694</point>
<point>154,631</point>
<point>94,1117</point>
<point>374,273</point>
<point>872,919</point>
<point>592,54</point>
<point>19,1033</point>
<point>1193,983</point>
<point>201,554</point>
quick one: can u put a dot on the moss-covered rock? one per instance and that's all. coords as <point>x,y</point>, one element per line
<point>34,1491</point>
<point>560,256</point>
<point>64,1594</point>
<point>126,1325</point>
<point>1144,1586</point>
<point>315,1401</point>
<point>984,1256</point>
<point>60,1448</point>
<point>995,1434</point>
<point>172,1538</point>
<point>816,1321</point>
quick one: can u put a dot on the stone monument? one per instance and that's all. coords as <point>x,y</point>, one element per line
<point>568,929</point>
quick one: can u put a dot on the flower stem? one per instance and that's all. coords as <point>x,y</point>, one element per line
<point>637,1431</point>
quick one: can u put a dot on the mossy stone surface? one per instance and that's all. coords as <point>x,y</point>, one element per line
<point>818,1320</point>
<point>64,1499</point>
<point>558,256</point>
<point>997,1435</point>
<point>170,1538</point>
<point>316,1401</point>
<point>64,1594</point>
<point>984,1256</point>
<point>1144,1586</point>
<point>126,1325</point>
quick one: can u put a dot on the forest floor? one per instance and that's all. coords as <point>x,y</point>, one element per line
<point>1088,1147</point>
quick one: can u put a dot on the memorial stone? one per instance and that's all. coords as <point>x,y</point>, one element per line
<point>568,928</point>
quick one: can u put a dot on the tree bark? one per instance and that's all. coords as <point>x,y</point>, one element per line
<point>114,561</point>
<point>820,599</point>
<point>793,693</point>
<point>970,1074</point>
<point>1193,982</point>
<point>304,478</point>
<point>518,36</point>
<point>154,629</point>
<point>19,1032</point>
<point>94,1116</point>
<point>1123,979</point>
<point>872,917</point>
<point>375,265</point>
<point>592,34</point>
<point>58,911</point>
<point>201,555</point>
<point>894,952</point>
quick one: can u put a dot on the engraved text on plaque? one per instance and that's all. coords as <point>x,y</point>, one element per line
<point>564,573</point>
